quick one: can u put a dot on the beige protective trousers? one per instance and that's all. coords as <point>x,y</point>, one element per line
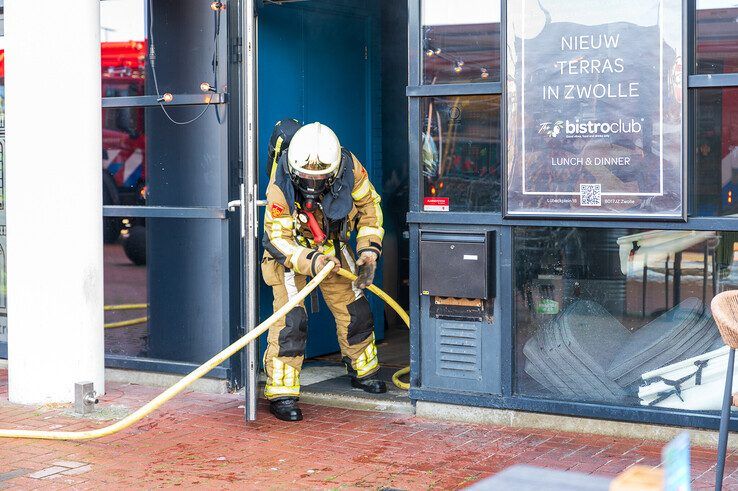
<point>288,336</point>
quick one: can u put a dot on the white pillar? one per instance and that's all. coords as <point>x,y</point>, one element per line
<point>54,198</point>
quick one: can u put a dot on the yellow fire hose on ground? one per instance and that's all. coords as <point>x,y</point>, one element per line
<point>126,323</point>
<point>203,369</point>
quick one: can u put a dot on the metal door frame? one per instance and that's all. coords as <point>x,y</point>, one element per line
<point>249,200</point>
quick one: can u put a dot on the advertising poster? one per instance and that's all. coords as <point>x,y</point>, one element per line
<point>595,108</point>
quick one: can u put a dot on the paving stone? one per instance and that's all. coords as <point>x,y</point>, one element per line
<point>78,470</point>
<point>6,476</point>
<point>49,471</point>
<point>70,464</point>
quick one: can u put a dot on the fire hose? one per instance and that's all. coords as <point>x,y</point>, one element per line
<point>206,367</point>
<point>130,322</point>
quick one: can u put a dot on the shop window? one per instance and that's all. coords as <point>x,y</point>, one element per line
<point>717,37</point>
<point>460,153</point>
<point>714,189</point>
<point>461,41</point>
<point>609,315</point>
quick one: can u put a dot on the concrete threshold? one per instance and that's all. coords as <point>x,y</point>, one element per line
<point>164,380</point>
<point>355,402</point>
<point>571,424</point>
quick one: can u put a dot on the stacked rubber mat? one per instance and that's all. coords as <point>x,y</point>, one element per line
<point>585,353</point>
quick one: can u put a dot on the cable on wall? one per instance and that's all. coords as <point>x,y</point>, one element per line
<point>217,7</point>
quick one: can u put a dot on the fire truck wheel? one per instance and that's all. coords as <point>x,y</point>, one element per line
<point>135,245</point>
<point>111,230</point>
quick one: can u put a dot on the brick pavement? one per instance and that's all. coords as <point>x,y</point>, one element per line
<point>201,441</point>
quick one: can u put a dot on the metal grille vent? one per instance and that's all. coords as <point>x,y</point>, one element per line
<point>458,350</point>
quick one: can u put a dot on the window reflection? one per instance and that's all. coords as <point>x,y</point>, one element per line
<point>607,315</point>
<point>461,41</point>
<point>123,158</point>
<point>715,187</point>
<point>122,61</point>
<point>717,36</point>
<point>460,153</point>
<point>123,47</point>
<point>158,275</point>
<point>126,284</point>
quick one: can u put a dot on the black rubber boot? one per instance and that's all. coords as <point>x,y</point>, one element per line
<point>286,409</point>
<point>370,384</point>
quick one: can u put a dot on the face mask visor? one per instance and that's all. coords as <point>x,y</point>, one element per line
<point>312,188</point>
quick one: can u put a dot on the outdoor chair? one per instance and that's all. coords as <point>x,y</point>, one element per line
<point>725,312</point>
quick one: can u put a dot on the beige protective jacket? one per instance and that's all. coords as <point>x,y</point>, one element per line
<point>289,241</point>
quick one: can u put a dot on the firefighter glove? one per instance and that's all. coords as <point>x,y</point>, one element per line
<point>321,260</point>
<point>367,264</point>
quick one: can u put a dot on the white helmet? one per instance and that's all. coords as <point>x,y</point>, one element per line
<point>314,153</point>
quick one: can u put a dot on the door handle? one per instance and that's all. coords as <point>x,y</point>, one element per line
<point>238,203</point>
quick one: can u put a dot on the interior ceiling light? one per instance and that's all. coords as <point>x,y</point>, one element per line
<point>206,87</point>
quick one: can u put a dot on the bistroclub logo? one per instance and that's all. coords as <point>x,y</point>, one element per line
<point>552,130</point>
<point>589,129</point>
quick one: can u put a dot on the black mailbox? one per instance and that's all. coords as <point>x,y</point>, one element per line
<point>457,265</point>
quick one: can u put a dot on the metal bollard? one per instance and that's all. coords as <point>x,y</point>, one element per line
<point>85,397</point>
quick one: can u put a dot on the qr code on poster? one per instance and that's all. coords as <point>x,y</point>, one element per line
<point>590,194</point>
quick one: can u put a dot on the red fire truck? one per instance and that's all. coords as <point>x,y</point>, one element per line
<point>124,141</point>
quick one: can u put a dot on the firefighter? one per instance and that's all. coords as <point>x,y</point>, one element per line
<point>318,194</point>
